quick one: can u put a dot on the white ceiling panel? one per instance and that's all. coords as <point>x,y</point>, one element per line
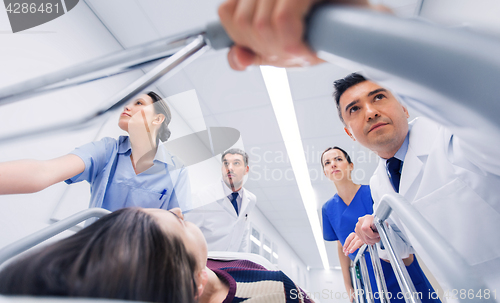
<point>315,81</point>
<point>125,20</point>
<point>288,204</point>
<point>256,125</point>
<point>317,117</point>
<point>289,192</point>
<point>223,89</point>
<point>172,16</point>
<point>175,84</point>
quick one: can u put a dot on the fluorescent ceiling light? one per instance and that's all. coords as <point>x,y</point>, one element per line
<point>267,248</point>
<point>281,98</point>
<point>275,255</point>
<point>255,240</point>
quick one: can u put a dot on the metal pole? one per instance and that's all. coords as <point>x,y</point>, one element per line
<point>366,280</point>
<point>379,275</point>
<point>171,64</point>
<point>446,259</point>
<point>25,243</point>
<point>356,283</point>
<point>404,280</point>
<point>361,253</point>
<point>98,68</point>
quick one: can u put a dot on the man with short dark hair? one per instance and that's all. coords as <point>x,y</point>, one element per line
<point>440,174</point>
<point>224,207</point>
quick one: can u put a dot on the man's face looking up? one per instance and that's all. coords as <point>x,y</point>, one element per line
<point>374,117</point>
<point>233,171</point>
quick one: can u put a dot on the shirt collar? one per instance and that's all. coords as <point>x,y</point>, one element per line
<point>227,190</point>
<point>124,147</point>
<point>162,154</point>
<point>401,153</point>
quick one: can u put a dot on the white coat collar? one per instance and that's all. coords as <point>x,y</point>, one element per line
<point>228,206</point>
<point>422,136</point>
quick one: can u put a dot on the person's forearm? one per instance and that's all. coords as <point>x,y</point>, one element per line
<point>29,176</point>
<point>22,176</point>
<point>345,264</point>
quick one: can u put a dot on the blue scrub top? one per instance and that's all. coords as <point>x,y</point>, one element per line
<point>114,183</point>
<point>339,219</point>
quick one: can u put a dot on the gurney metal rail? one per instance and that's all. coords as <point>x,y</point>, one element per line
<point>26,243</point>
<point>447,261</point>
<point>468,63</point>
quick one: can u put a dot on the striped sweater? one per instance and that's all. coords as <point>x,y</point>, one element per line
<point>249,282</point>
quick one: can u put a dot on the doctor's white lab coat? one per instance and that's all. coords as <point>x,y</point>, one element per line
<point>456,189</point>
<point>215,216</point>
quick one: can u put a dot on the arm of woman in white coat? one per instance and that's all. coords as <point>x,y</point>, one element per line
<point>29,176</point>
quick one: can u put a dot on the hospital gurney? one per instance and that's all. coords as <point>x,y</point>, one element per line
<point>28,242</point>
<point>406,58</point>
<point>447,260</point>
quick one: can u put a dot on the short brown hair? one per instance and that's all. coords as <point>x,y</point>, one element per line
<point>236,151</point>
<point>342,85</point>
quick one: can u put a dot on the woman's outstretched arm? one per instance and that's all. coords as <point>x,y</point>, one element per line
<point>29,176</point>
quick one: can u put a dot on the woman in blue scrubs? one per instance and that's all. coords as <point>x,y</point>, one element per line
<point>133,170</point>
<point>340,215</point>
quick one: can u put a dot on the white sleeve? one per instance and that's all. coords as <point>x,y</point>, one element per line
<point>398,241</point>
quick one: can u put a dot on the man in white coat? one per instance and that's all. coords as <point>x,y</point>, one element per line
<point>223,216</point>
<point>440,174</point>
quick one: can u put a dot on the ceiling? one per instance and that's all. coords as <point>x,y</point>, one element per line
<point>240,100</point>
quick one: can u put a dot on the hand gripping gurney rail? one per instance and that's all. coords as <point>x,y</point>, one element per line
<point>447,260</point>
<point>468,72</point>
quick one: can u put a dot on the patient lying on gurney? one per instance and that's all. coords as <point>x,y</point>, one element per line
<point>144,255</point>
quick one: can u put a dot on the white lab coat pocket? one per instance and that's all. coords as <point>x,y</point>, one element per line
<point>464,219</point>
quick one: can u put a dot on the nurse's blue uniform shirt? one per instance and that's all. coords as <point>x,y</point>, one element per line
<point>339,219</point>
<point>114,184</point>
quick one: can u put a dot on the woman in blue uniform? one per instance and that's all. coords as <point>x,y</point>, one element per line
<point>340,215</point>
<point>132,170</point>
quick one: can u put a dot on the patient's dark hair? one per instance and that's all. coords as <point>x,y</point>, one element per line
<point>125,255</point>
<point>161,107</point>
<point>342,85</point>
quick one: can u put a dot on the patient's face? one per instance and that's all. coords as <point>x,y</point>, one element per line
<point>172,222</point>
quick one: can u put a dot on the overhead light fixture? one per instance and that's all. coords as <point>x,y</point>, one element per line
<point>255,240</point>
<point>276,81</point>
